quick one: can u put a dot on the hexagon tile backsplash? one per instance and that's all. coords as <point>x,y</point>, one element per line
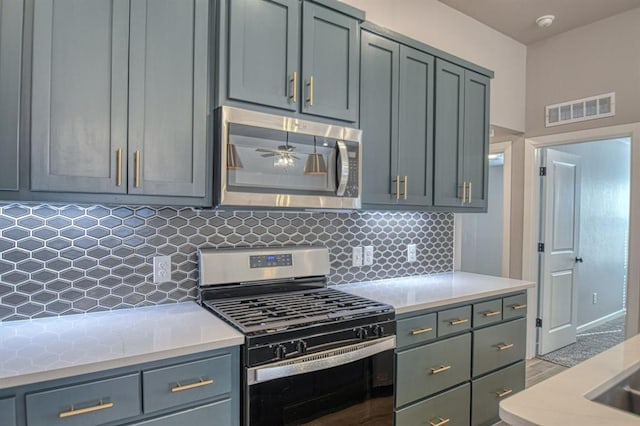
<point>70,259</point>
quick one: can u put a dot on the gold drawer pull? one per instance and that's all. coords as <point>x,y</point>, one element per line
<point>458,322</point>
<point>518,307</point>
<point>504,393</point>
<point>136,162</point>
<point>294,87</point>
<point>421,330</point>
<point>101,406</point>
<point>199,384</point>
<point>441,369</point>
<point>504,347</point>
<point>442,422</point>
<point>310,86</point>
<point>491,314</point>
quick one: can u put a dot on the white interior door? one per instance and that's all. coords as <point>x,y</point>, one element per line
<point>560,232</point>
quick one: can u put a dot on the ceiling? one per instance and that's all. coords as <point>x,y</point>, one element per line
<point>517,18</point>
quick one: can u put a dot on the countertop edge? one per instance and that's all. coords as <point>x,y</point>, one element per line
<point>99,366</point>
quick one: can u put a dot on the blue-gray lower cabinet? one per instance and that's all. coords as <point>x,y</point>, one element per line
<point>10,68</point>
<point>8,411</point>
<point>192,389</point>
<point>449,375</point>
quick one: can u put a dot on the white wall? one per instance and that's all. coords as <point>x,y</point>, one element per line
<point>443,27</point>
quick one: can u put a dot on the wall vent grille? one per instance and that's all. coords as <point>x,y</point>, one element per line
<point>598,106</point>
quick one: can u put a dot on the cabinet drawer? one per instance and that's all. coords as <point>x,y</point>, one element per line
<point>218,413</point>
<point>454,320</point>
<point>431,368</point>
<point>8,412</point>
<point>416,330</point>
<point>86,404</point>
<point>185,383</point>
<point>497,346</point>
<point>450,408</point>
<point>514,306</point>
<point>485,313</point>
<point>490,390</point>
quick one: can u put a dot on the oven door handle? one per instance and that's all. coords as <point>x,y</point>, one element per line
<point>343,171</point>
<point>319,361</point>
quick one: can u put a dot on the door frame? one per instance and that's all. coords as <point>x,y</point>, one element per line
<point>494,148</point>
<point>531,219</point>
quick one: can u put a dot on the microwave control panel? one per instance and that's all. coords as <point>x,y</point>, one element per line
<point>354,172</point>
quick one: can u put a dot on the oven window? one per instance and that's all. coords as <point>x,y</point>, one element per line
<point>358,393</point>
<point>276,161</point>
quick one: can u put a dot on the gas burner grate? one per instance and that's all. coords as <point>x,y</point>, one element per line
<point>281,311</point>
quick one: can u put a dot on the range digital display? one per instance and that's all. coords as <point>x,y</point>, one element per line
<point>270,260</point>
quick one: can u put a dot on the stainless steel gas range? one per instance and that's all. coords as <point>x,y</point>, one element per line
<point>313,355</point>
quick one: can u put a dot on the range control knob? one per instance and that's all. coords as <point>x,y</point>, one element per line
<point>378,330</point>
<point>362,333</point>
<point>301,346</point>
<point>280,351</point>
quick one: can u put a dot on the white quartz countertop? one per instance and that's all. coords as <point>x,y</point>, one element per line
<point>565,399</point>
<point>51,348</point>
<point>431,291</point>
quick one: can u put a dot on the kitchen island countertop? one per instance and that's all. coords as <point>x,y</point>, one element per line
<point>51,348</point>
<point>408,294</point>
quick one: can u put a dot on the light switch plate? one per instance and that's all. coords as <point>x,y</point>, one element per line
<point>411,253</point>
<point>356,257</point>
<point>161,269</point>
<point>368,255</point>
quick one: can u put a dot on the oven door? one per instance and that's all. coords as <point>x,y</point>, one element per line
<point>351,385</point>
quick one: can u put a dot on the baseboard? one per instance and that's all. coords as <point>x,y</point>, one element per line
<point>588,326</point>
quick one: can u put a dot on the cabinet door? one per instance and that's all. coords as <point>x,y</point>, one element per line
<point>263,52</point>
<point>7,405</point>
<point>168,98</point>
<point>330,67</point>
<point>379,118</point>
<point>10,61</point>
<point>449,134</point>
<point>79,95</point>
<point>476,137</point>
<point>415,130</point>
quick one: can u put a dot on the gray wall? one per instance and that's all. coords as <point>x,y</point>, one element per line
<point>481,242</point>
<point>604,224</point>
<point>70,259</point>
<point>594,59</point>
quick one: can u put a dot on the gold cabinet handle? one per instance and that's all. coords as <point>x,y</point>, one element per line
<point>470,186</point>
<point>421,331</point>
<point>464,192</point>
<point>119,167</point>
<point>504,393</point>
<point>458,321</point>
<point>294,87</point>
<point>504,346</point>
<point>73,412</point>
<point>136,161</point>
<point>491,314</point>
<point>442,421</point>
<point>198,384</point>
<point>405,180</point>
<point>310,86</point>
<point>397,182</point>
<point>518,307</point>
<point>440,369</point>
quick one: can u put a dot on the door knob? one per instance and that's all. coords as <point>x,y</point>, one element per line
<point>578,260</point>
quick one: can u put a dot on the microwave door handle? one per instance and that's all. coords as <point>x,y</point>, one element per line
<point>343,173</point>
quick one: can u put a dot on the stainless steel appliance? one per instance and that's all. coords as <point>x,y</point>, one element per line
<point>312,354</point>
<point>274,161</point>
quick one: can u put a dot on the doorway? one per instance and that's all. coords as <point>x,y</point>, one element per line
<point>584,227</point>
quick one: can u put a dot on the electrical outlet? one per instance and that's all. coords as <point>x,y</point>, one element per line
<point>595,298</point>
<point>356,257</point>
<point>161,269</point>
<point>411,253</point>
<point>368,255</point>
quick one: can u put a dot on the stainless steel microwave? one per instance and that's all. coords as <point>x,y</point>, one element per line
<point>271,161</point>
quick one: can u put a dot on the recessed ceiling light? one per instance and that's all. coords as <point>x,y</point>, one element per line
<point>545,21</point>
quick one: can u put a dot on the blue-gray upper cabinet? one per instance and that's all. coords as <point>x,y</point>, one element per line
<point>79,95</point>
<point>10,61</point>
<point>296,56</point>
<point>396,115</point>
<point>263,52</point>
<point>330,66</point>
<point>168,70</point>
<point>461,138</point>
<point>7,405</point>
